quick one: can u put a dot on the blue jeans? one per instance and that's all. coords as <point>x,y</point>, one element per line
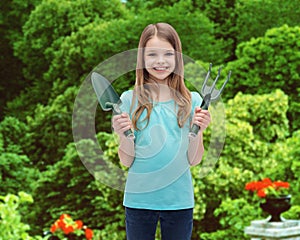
<point>175,224</point>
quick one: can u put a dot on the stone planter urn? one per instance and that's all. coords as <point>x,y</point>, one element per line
<point>275,206</point>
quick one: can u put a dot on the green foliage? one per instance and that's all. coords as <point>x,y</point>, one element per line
<point>269,62</point>
<point>234,216</point>
<point>108,205</point>
<point>286,155</point>
<point>113,231</point>
<point>13,14</point>
<point>293,147</point>
<point>266,113</point>
<point>49,23</point>
<point>16,173</point>
<point>240,20</point>
<point>293,213</point>
<point>11,225</point>
<point>219,235</point>
<point>50,129</point>
<point>16,170</point>
<point>13,132</point>
<point>260,15</point>
<point>141,6</point>
<point>222,14</point>
<point>237,213</point>
<point>61,19</point>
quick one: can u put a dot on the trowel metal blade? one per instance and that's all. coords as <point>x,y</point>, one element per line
<point>106,94</point>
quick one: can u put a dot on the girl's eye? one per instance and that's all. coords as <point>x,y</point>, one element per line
<point>151,54</point>
<point>169,54</point>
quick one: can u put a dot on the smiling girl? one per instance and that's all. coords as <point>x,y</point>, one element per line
<point>161,111</point>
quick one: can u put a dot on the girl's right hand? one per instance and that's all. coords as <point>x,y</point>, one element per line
<point>121,123</point>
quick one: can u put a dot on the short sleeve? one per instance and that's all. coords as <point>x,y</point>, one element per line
<point>126,99</point>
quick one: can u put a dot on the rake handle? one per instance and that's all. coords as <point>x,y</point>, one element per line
<point>117,110</point>
<point>204,105</point>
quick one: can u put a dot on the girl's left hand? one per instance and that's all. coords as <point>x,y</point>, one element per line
<point>201,118</point>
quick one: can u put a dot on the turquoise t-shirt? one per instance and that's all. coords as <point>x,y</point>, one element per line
<point>160,177</point>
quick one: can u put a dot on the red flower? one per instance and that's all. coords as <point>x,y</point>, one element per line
<point>60,223</point>
<point>68,229</point>
<point>266,187</point>
<point>66,225</point>
<point>88,234</point>
<point>53,228</point>
<point>280,184</point>
<point>79,224</point>
<point>251,186</point>
<point>261,193</point>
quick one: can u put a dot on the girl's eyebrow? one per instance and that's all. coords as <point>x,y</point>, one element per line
<point>158,49</point>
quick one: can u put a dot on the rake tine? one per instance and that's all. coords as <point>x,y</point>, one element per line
<point>206,78</point>
<point>223,86</point>
<point>228,77</point>
<point>215,81</point>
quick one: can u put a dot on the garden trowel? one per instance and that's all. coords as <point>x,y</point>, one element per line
<point>107,97</point>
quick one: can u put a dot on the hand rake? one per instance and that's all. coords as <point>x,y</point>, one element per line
<point>209,94</point>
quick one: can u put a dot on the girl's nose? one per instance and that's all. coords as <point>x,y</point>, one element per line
<point>161,59</point>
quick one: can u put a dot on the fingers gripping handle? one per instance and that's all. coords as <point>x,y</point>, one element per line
<point>204,105</point>
<point>117,110</point>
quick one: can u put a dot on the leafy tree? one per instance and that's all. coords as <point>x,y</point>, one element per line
<point>50,130</point>
<point>51,21</point>
<point>43,33</point>
<point>240,20</point>
<point>13,14</point>
<point>16,171</point>
<point>13,132</point>
<point>223,15</point>
<point>254,18</point>
<point>266,63</point>
<point>269,124</point>
<point>141,6</point>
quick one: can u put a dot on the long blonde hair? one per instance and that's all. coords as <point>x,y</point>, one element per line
<point>175,81</point>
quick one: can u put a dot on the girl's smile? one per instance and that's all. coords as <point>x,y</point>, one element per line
<point>159,58</point>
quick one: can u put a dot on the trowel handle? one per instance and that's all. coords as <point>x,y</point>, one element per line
<point>117,110</point>
<point>204,105</point>
<point>129,134</point>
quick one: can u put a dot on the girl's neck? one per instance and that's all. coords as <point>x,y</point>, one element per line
<point>154,80</point>
<point>161,92</point>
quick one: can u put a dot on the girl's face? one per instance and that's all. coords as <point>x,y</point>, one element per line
<point>159,57</point>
